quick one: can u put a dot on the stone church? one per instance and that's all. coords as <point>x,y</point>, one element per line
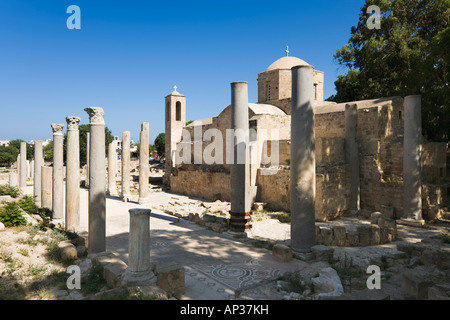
<point>379,136</point>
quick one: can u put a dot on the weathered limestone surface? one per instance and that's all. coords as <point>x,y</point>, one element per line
<point>88,148</point>
<point>14,180</point>
<point>126,193</point>
<point>46,187</point>
<point>97,183</point>
<point>139,269</point>
<point>23,165</point>
<point>143,164</point>
<point>352,155</point>
<point>38,163</point>
<point>412,162</point>
<point>171,278</point>
<point>73,175</point>
<point>112,166</point>
<point>239,169</point>
<point>58,172</point>
<point>303,164</point>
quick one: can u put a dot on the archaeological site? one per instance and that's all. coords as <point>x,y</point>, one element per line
<point>292,197</point>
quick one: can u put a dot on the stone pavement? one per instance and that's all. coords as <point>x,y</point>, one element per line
<point>217,266</point>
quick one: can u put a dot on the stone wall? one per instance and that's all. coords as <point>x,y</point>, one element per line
<point>434,162</point>
<point>381,230</point>
<point>380,143</point>
<point>200,182</point>
<point>332,185</point>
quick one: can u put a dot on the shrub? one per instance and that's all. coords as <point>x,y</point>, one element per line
<point>28,205</point>
<point>11,216</point>
<point>7,190</point>
<point>95,280</point>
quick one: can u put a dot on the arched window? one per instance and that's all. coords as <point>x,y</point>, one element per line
<point>178,111</point>
<point>167,111</point>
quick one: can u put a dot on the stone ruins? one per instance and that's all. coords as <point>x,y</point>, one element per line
<point>346,174</point>
<point>355,149</point>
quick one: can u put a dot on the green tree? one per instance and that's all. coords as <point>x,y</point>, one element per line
<point>84,129</point>
<point>15,148</point>
<point>160,144</point>
<point>48,151</point>
<point>7,155</point>
<point>408,55</point>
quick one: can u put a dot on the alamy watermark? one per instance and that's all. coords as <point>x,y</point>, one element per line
<point>374,21</point>
<point>237,147</point>
<point>74,280</point>
<point>74,20</point>
<point>374,281</point>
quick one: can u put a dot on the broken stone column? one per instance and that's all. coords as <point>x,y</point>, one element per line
<point>112,164</point>
<point>352,155</point>
<point>143,164</point>
<point>126,193</point>
<point>58,172</point>
<point>240,169</point>
<point>412,159</point>
<point>30,169</point>
<point>23,165</point>
<point>38,163</point>
<point>303,164</point>
<point>14,180</point>
<point>139,270</point>
<point>97,181</point>
<point>88,141</point>
<point>73,175</point>
<point>46,187</point>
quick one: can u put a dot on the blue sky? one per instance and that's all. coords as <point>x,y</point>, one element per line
<point>128,55</point>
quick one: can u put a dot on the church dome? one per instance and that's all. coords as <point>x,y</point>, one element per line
<point>286,63</point>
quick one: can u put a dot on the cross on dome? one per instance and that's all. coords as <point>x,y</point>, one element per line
<point>287,51</point>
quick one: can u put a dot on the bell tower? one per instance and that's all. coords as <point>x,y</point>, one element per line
<point>175,110</point>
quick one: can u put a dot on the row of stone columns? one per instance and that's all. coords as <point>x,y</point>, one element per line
<point>303,165</point>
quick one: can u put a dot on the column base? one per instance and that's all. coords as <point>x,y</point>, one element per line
<point>304,256</point>
<point>238,234</point>
<point>240,224</point>
<point>126,197</point>
<point>140,278</point>
<point>144,201</point>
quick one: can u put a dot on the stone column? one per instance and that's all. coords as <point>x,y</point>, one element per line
<point>73,175</point>
<point>46,187</point>
<point>58,172</point>
<point>38,163</point>
<point>239,169</point>
<point>143,164</point>
<point>139,269</point>
<point>412,159</point>
<point>18,165</point>
<point>88,141</point>
<point>112,166</point>
<point>126,193</point>
<point>14,180</point>
<point>352,155</point>
<point>97,181</point>
<point>303,163</point>
<point>23,165</point>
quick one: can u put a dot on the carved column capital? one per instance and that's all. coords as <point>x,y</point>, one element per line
<point>72,123</point>
<point>95,115</point>
<point>57,128</point>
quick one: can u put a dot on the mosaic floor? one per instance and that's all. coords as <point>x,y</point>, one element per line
<point>235,277</point>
